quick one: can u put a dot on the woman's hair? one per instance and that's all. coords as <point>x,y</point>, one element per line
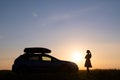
<point>88,51</point>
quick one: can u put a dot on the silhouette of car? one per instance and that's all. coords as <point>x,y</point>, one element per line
<point>38,60</point>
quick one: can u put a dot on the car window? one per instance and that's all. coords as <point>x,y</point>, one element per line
<point>45,58</point>
<point>34,58</point>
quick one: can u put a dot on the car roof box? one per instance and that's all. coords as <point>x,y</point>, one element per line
<point>37,50</point>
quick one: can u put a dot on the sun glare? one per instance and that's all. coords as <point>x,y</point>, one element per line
<point>77,57</point>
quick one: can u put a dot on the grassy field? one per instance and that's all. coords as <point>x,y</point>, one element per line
<point>82,75</point>
<point>100,75</point>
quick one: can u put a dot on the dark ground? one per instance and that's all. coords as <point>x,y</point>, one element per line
<point>82,75</point>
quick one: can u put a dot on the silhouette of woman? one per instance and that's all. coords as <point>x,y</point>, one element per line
<point>88,62</point>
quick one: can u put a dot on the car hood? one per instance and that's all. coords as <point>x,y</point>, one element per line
<point>69,63</point>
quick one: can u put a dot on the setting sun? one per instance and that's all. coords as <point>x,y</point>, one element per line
<point>77,57</point>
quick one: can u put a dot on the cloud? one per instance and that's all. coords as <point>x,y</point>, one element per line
<point>34,14</point>
<point>60,17</point>
<point>86,10</point>
<point>56,18</point>
<point>72,14</point>
<point>66,16</point>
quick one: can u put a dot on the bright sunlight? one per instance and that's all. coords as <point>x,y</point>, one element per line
<point>77,57</point>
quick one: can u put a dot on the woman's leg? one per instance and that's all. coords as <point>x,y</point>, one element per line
<point>88,69</point>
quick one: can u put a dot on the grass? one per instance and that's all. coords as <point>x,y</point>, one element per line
<point>108,74</point>
<point>82,75</point>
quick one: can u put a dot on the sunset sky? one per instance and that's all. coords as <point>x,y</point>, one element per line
<point>67,27</point>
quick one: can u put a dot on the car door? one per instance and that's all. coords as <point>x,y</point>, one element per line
<point>34,63</point>
<point>50,64</point>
